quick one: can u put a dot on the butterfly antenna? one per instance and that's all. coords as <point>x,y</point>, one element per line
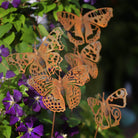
<point>52,132</point>
<point>96,131</point>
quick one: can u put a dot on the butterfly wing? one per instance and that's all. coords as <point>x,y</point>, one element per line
<point>77,76</point>
<point>20,60</point>
<point>73,59</point>
<point>52,42</point>
<point>73,96</point>
<point>47,50</point>
<point>72,23</point>
<point>54,101</point>
<point>91,54</point>
<point>96,107</point>
<point>52,97</point>
<point>116,100</point>
<point>93,19</point>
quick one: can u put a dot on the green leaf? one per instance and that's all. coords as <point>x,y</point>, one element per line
<point>1,98</point>
<point>42,30</point>
<point>47,120</point>
<point>3,66</point>
<point>23,89</point>
<point>60,8</point>
<point>76,2</point>
<point>23,47</point>
<point>49,8</point>
<point>5,28</point>
<point>83,89</point>
<point>22,19</point>
<point>67,8</point>
<point>17,25</point>
<point>77,11</point>
<point>10,38</point>
<point>88,6</point>
<point>6,131</point>
<point>28,34</point>
<point>73,121</point>
<point>8,19</point>
<point>136,136</point>
<point>4,12</point>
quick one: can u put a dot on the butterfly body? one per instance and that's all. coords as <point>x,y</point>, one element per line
<point>92,21</point>
<point>51,89</point>
<point>89,56</point>
<point>107,113</point>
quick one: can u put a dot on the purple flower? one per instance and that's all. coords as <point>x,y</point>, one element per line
<point>51,26</point>
<point>57,135</point>
<point>17,117</point>
<point>34,100</point>
<point>9,74</point>
<point>15,4</point>
<point>5,4</point>
<point>22,81</point>
<point>10,103</point>
<point>3,52</point>
<point>30,131</point>
<point>92,1</point>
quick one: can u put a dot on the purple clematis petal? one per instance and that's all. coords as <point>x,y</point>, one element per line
<point>34,136</point>
<point>1,75</point>
<point>0,59</point>
<point>57,135</point>
<point>2,46</point>
<point>5,52</point>
<point>16,3</point>
<point>93,2</point>
<point>73,131</point>
<point>29,124</point>
<point>11,111</point>
<point>86,1</point>
<point>36,107</point>
<point>8,97</point>
<point>18,109</point>
<point>17,95</point>
<point>10,74</point>
<point>13,119</point>
<point>39,130</point>
<point>22,128</point>
<point>26,135</point>
<point>5,4</point>
<point>7,105</point>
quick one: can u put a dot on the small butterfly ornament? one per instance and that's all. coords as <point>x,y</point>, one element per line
<point>53,89</point>
<point>45,58</point>
<point>106,112</point>
<point>91,22</point>
<point>89,56</point>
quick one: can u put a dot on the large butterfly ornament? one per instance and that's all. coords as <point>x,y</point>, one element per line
<point>91,22</point>
<point>45,58</point>
<point>53,89</point>
<point>107,113</point>
<point>89,56</point>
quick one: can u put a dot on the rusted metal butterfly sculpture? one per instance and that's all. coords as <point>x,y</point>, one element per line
<point>92,21</point>
<point>43,58</point>
<point>106,112</point>
<point>53,89</point>
<point>89,56</point>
